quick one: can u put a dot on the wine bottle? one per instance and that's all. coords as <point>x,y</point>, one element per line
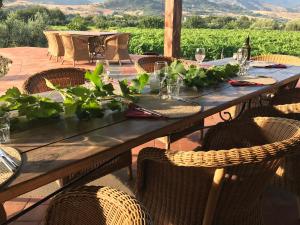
<point>247,46</point>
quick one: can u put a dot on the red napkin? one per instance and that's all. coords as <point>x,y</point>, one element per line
<point>277,66</point>
<point>135,111</point>
<point>241,83</point>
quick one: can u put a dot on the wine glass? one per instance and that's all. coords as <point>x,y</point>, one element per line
<point>242,56</point>
<point>200,55</point>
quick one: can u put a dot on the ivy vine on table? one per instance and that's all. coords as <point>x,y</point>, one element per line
<point>91,102</point>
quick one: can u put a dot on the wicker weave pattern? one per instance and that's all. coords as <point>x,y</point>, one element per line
<point>286,97</point>
<point>146,64</point>
<point>288,176</point>
<point>76,48</point>
<point>116,47</point>
<point>55,45</point>
<point>96,206</point>
<point>63,77</point>
<point>284,59</point>
<point>174,186</point>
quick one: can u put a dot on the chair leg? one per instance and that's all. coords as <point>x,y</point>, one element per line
<point>298,206</point>
<point>62,62</point>
<point>74,63</point>
<point>50,57</point>
<point>120,63</point>
<point>107,62</point>
<point>168,143</point>
<point>130,175</point>
<point>56,58</point>
<point>3,216</point>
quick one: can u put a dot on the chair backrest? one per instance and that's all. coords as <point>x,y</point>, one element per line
<point>63,77</point>
<point>222,184</point>
<point>146,64</point>
<point>55,45</point>
<point>116,47</point>
<point>76,47</point>
<point>284,59</point>
<point>96,206</point>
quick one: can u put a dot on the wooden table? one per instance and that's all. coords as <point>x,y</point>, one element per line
<point>88,34</point>
<point>58,149</point>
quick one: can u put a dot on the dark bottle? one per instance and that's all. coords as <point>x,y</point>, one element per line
<point>247,46</point>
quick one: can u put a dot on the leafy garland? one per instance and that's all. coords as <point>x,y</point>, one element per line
<point>202,77</point>
<point>87,103</point>
<point>81,101</point>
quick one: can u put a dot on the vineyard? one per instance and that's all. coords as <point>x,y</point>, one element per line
<point>263,42</point>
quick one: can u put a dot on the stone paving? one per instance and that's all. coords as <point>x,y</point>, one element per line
<point>280,208</point>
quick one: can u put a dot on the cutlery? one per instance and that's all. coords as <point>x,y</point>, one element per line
<point>8,158</point>
<point>7,164</point>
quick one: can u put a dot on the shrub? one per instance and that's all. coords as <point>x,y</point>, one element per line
<point>194,22</point>
<point>152,22</point>
<point>293,25</point>
<point>265,24</point>
<point>78,23</point>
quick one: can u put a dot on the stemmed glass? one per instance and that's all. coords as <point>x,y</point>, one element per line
<point>200,55</point>
<point>4,128</point>
<point>242,56</point>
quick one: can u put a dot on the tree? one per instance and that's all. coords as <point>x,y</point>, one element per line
<point>293,25</point>
<point>265,24</point>
<point>78,23</point>
<point>152,22</point>
<point>194,22</point>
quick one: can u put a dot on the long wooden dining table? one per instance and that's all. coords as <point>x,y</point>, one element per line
<point>57,149</point>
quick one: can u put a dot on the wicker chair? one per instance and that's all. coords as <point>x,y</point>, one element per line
<point>116,48</point>
<point>76,48</point>
<point>55,45</point>
<point>220,186</point>
<point>97,47</point>
<point>96,206</point>
<point>146,64</point>
<point>66,77</point>
<point>63,77</point>
<point>284,59</point>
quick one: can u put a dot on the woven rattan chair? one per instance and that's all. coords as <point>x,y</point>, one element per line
<point>286,96</point>
<point>55,45</point>
<point>146,64</point>
<point>76,48</point>
<point>222,184</point>
<point>63,77</point>
<point>96,206</point>
<point>284,59</point>
<point>66,77</point>
<point>116,48</point>
<point>287,176</point>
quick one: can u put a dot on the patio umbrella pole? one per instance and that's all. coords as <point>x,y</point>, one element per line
<point>69,185</point>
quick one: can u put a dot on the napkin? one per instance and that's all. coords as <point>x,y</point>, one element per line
<point>241,83</point>
<point>277,66</point>
<point>135,111</point>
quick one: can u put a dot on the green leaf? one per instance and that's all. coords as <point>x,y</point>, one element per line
<point>50,85</point>
<point>124,88</point>
<point>108,88</point>
<point>95,76</point>
<point>11,93</point>
<point>70,107</point>
<point>81,92</point>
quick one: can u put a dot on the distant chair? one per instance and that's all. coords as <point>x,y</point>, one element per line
<point>76,48</point>
<point>116,48</point>
<point>146,64</point>
<point>63,77</point>
<point>90,205</point>
<point>55,45</point>
<point>97,47</point>
<point>224,182</point>
<point>284,59</point>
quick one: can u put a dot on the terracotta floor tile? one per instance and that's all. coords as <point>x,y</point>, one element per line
<point>15,206</point>
<point>37,214</point>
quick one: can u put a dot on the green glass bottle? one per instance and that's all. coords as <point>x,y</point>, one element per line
<point>247,46</point>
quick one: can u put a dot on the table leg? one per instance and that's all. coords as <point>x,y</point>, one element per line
<point>3,217</point>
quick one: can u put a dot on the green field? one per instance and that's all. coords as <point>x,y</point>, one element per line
<point>214,41</point>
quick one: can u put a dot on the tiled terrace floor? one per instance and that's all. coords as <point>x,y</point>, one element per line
<point>279,207</point>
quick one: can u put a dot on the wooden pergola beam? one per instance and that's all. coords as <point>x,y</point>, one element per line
<point>173,16</point>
